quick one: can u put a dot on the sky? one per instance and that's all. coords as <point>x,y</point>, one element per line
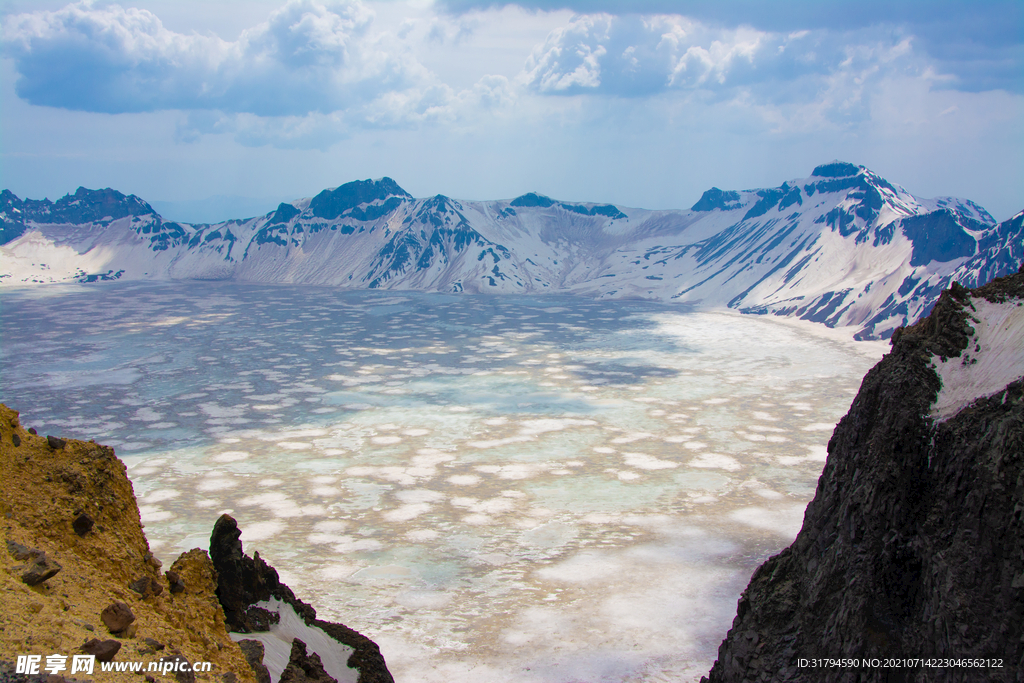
<point>210,106</point>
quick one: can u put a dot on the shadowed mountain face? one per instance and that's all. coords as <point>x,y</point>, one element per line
<point>914,543</point>
<point>841,247</point>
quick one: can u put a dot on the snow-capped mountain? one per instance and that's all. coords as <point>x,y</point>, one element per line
<point>842,247</point>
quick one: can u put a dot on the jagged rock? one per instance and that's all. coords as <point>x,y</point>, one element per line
<point>37,568</point>
<point>105,650</point>
<point>304,668</point>
<point>82,524</point>
<point>146,587</point>
<point>914,543</point>
<point>261,619</point>
<point>15,439</point>
<point>174,581</point>
<point>243,581</point>
<point>55,443</point>
<point>253,651</point>
<point>116,616</point>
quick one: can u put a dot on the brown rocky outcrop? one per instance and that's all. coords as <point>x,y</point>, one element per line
<point>913,546</point>
<point>71,525</point>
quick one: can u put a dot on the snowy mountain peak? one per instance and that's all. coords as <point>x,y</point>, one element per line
<point>359,199</point>
<point>842,247</point>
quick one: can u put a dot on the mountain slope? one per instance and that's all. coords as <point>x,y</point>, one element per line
<point>842,247</point>
<point>913,546</point>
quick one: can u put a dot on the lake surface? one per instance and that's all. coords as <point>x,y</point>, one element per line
<point>493,488</point>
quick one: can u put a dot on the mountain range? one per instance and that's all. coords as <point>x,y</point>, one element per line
<point>843,247</point>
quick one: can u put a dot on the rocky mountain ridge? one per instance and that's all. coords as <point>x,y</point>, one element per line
<point>843,247</point>
<point>77,577</point>
<point>912,550</point>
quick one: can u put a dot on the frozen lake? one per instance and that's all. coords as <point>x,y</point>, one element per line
<point>493,488</point>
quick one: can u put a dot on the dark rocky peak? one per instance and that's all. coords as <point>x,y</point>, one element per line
<point>717,199</point>
<point>836,169</point>
<point>12,217</point>
<point>94,206</point>
<point>283,214</point>
<point>243,581</point>
<point>84,206</point>
<point>347,199</point>
<point>532,199</point>
<point>914,542</point>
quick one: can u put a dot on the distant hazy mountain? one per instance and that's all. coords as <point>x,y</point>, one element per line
<point>842,247</point>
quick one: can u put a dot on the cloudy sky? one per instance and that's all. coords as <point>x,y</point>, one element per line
<point>642,103</point>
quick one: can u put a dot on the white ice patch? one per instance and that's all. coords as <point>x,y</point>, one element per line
<point>647,462</point>
<point>994,357</point>
<point>277,644</point>
<point>715,461</point>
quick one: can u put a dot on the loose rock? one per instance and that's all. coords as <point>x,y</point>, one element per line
<point>103,649</point>
<point>174,581</point>
<point>116,616</point>
<point>154,644</point>
<point>39,570</point>
<point>16,439</point>
<point>146,587</point>
<point>82,524</point>
<point>55,443</point>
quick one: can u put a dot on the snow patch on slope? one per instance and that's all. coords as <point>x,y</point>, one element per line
<point>277,644</point>
<point>993,358</point>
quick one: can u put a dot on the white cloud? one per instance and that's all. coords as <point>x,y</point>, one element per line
<point>309,56</point>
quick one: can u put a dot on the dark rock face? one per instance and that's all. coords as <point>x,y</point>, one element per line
<point>243,581</point>
<point>305,668</point>
<point>253,651</point>
<point>914,543</point>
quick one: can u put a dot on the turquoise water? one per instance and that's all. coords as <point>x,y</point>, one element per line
<point>491,487</point>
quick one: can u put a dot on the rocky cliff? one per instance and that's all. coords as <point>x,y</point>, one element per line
<point>913,546</point>
<point>77,577</point>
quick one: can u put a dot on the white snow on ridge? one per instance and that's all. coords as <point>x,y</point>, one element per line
<point>993,358</point>
<point>277,644</point>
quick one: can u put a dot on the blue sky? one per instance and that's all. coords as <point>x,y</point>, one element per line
<point>644,103</point>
